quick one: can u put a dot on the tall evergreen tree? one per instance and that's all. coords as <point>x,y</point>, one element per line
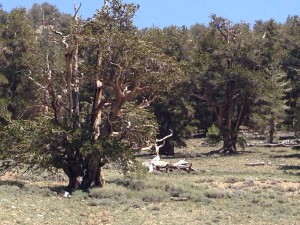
<point>17,40</point>
<point>269,110</point>
<point>229,76</point>
<point>291,65</point>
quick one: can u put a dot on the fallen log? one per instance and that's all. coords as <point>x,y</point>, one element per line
<point>168,166</point>
<point>178,199</point>
<point>255,164</point>
<point>274,145</point>
<point>181,165</point>
<point>161,165</point>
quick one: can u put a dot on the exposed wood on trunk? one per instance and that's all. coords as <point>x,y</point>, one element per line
<point>70,45</point>
<point>230,92</point>
<point>97,109</point>
<point>242,112</point>
<point>218,109</point>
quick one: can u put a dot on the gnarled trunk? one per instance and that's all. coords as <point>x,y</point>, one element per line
<point>73,171</point>
<point>93,172</point>
<point>229,142</point>
<point>271,130</point>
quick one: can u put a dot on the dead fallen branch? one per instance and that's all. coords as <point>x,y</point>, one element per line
<point>178,199</point>
<point>164,166</point>
<point>256,164</point>
<point>274,145</point>
<point>181,165</point>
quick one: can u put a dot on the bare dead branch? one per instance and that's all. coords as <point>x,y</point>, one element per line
<point>76,10</point>
<point>164,138</point>
<point>34,81</point>
<point>164,166</point>
<point>255,164</point>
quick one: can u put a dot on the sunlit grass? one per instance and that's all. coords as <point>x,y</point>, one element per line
<point>222,190</point>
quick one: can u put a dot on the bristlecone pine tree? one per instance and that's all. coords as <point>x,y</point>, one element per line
<point>269,110</point>
<point>232,79</point>
<point>291,65</point>
<point>99,100</point>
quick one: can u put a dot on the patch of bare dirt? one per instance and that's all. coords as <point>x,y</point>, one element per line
<point>284,186</point>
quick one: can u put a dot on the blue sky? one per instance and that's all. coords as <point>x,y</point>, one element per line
<point>162,13</point>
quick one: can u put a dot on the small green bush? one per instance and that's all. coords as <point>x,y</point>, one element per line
<point>108,192</point>
<point>222,193</point>
<point>154,195</point>
<point>173,190</point>
<point>213,135</point>
<point>231,180</point>
<point>101,202</point>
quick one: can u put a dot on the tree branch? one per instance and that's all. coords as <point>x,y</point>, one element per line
<point>34,81</point>
<point>164,138</point>
<point>76,10</point>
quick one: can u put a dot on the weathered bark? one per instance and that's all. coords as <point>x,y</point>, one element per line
<point>97,110</point>
<point>271,130</point>
<point>229,138</point>
<point>93,173</point>
<point>168,166</point>
<point>242,112</point>
<point>100,178</point>
<point>73,172</point>
<point>74,159</point>
<point>229,142</point>
<point>255,164</point>
<point>102,128</point>
<point>229,107</point>
<point>90,172</point>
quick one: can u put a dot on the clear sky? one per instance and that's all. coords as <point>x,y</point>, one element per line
<point>162,13</point>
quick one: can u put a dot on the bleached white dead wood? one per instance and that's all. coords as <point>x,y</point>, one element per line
<point>160,165</point>
<point>168,166</point>
<point>164,138</point>
<point>255,164</point>
<point>274,145</point>
<point>182,165</point>
<point>178,199</point>
<point>157,164</point>
<point>156,146</point>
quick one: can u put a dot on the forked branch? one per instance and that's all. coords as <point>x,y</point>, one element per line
<point>164,138</point>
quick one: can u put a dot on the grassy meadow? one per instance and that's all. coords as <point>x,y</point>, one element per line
<point>222,190</point>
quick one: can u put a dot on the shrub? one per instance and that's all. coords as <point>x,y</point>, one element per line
<point>213,135</point>
<point>231,180</point>
<point>132,184</point>
<point>154,195</point>
<point>173,190</point>
<point>222,193</point>
<point>101,202</point>
<point>111,192</point>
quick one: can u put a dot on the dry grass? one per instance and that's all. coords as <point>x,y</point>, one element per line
<point>223,190</point>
